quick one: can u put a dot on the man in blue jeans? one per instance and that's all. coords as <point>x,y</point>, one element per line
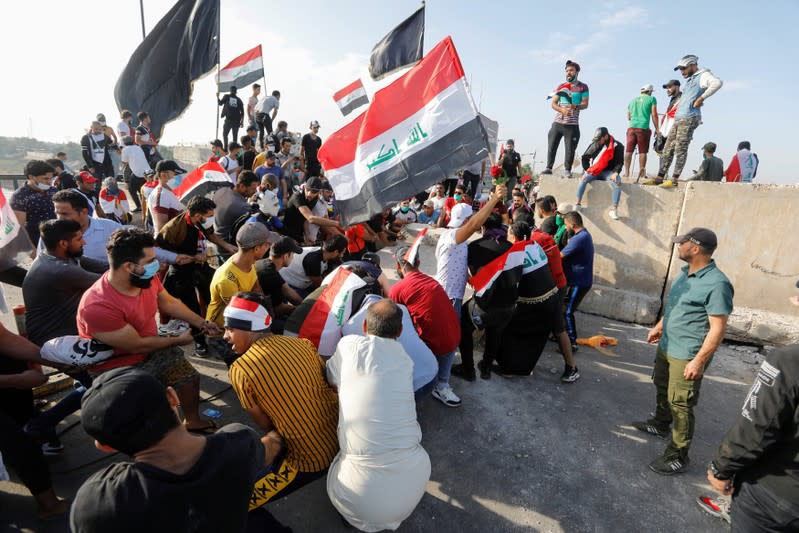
<point>578,265</point>
<point>603,160</point>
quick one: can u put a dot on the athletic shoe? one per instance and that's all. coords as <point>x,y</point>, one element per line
<point>669,465</point>
<point>463,372</point>
<point>718,507</point>
<point>570,374</point>
<point>578,207</point>
<point>173,328</point>
<point>52,447</point>
<point>653,181</point>
<point>668,184</point>
<point>200,349</point>
<point>613,214</point>
<point>648,427</point>
<point>568,175</point>
<point>546,172</point>
<point>446,396</point>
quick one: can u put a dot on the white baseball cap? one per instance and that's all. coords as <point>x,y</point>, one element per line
<point>458,215</point>
<point>648,88</point>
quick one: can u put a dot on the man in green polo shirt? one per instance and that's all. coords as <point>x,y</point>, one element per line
<point>640,110</point>
<point>692,328</point>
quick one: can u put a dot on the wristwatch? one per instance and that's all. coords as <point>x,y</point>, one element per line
<point>711,467</point>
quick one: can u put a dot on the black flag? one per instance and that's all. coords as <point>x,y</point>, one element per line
<point>182,47</point>
<point>400,48</point>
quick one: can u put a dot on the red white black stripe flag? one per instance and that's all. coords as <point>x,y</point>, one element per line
<point>244,70</point>
<point>351,97</point>
<point>420,128</point>
<point>506,270</point>
<point>199,182</point>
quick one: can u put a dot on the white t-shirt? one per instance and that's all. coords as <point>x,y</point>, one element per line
<point>438,203</point>
<point>408,217</point>
<point>251,103</point>
<point>452,262</point>
<point>134,156</point>
<point>123,129</point>
<point>294,274</point>
<point>167,200</point>
<point>230,164</point>
<point>381,472</point>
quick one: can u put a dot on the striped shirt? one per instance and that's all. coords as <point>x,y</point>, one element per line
<point>285,378</point>
<point>579,93</point>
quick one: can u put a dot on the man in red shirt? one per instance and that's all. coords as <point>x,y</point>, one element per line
<point>119,310</point>
<point>449,203</point>
<point>433,316</point>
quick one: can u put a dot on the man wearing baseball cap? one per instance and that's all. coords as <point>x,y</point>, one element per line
<point>640,110</point>
<point>712,168</point>
<point>237,274</point>
<point>162,203</point>
<point>309,148</point>
<point>692,328</point>
<point>176,480</point>
<point>280,298</point>
<point>87,186</point>
<point>280,382</point>
<point>602,160</point>
<point>700,85</point>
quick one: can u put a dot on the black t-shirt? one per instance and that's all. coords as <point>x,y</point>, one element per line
<point>510,163</point>
<point>270,281</point>
<point>212,496</point>
<point>66,181</point>
<point>247,159</point>
<point>314,265</point>
<point>293,220</point>
<point>311,147</point>
<point>232,108</point>
<point>481,252</point>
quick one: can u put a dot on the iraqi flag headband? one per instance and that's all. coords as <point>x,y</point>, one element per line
<point>246,315</point>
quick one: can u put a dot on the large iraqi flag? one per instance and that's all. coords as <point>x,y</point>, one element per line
<point>417,131</point>
<point>244,70</point>
<point>505,272</point>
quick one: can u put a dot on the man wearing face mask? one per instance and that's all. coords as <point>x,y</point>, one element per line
<point>568,100</point>
<point>95,146</point>
<point>119,310</point>
<point>190,234</point>
<point>33,202</point>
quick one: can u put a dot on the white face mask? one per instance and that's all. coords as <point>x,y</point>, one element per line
<point>209,221</point>
<point>43,186</point>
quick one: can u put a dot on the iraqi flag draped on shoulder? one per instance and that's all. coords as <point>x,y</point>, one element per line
<point>504,272</point>
<point>199,182</point>
<point>421,127</point>
<point>351,97</point>
<point>320,320</point>
<point>244,70</point>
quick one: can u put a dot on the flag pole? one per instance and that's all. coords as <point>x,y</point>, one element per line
<point>141,9</point>
<point>218,59</point>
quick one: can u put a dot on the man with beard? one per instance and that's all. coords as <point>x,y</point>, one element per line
<point>119,310</point>
<point>569,99</point>
<point>95,146</point>
<point>300,208</point>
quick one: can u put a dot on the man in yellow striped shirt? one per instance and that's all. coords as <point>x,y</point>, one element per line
<point>280,382</point>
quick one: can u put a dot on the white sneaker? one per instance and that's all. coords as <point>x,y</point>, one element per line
<point>173,328</point>
<point>613,214</point>
<point>446,396</point>
<point>578,207</point>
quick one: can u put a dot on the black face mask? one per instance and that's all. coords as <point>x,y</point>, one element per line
<point>141,283</point>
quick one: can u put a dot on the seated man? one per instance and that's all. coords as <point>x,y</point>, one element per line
<point>425,366</point>
<point>232,203</point>
<point>180,481</point>
<point>306,271</point>
<point>429,215</point>
<point>299,209</point>
<point>381,472</point>
<point>280,298</point>
<point>20,452</point>
<point>119,310</point>
<point>280,383</point>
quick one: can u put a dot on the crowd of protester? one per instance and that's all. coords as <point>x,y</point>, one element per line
<point>237,275</point>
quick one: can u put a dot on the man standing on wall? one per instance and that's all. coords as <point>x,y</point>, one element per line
<point>639,111</point>
<point>568,100</point>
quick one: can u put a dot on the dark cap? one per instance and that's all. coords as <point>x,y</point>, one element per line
<point>326,186</point>
<point>570,63</point>
<point>600,132</point>
<point>710,147</point>
<point>127,409</point>
<point>372,258</point>
<point>314,183</point>
<point>168,164</point>
<point>671,83</point>
<point>270,154</point>
<point>286,245</point>
<point>510,141</point>
<point>217,142</point>
<point>700,236</point>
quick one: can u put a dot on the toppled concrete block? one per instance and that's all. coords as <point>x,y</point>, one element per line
<point>622,305</point>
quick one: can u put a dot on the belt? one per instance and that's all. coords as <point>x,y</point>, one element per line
<point>537,299</point>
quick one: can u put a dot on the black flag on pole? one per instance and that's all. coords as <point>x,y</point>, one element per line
<point>182,47</point>
<point>400,48</point>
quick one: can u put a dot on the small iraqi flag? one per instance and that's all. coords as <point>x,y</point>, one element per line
<point>422,126</point>
<point>244,70</point>
<point>199,182</point>
<point>351,97</point>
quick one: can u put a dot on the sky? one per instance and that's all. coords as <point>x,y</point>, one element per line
<point>513,53</point>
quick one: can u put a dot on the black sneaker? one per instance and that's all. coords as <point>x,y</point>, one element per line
<point>669,465</point>
<point>546,172</point>
<point>652,429</point>
<point>463,372</point>
<point>200,349</point>
<point>570,374</point>
<point>485,371</point>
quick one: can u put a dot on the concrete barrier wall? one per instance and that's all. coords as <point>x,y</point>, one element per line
<point>758,231</point>
<point>758,249</point>
<point>632,254</point>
